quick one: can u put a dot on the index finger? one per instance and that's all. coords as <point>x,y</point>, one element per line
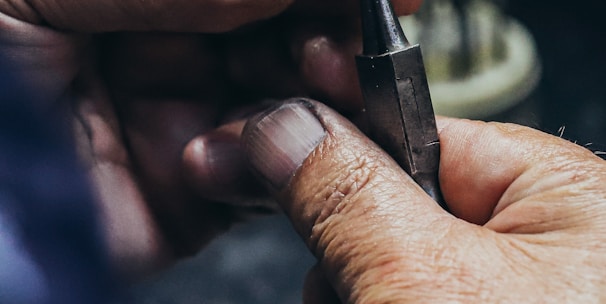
<point>485,167</point>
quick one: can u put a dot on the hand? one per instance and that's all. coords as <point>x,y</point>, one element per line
<point>160,106</point>
<point>528,219</point>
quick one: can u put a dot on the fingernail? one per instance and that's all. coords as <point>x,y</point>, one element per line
<point>225,161</point>
<point>278,142</point>
<point>213,162</point>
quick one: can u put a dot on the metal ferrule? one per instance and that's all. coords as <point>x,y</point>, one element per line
<point>396,94</point>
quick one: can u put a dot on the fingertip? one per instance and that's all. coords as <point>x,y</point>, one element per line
<point>345,196</point>
<point>194,162</point>
<point>406,7</point>
<point>470,175</point>
<point>325,55</point>
<point>442,122</point>
<point>212,162</point>
<point>481,160</point>
<point>214,166</point>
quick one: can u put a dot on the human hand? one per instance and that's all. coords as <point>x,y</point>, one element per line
<point>528,219</point>
<point>160,106</point>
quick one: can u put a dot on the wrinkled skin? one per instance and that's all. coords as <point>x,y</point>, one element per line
<point>158,85</point>
<point>529,208</point>
<point>159,117</point>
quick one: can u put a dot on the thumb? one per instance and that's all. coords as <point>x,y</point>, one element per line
<point>361,215</point>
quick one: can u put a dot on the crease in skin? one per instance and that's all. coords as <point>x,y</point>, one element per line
<point>472,156</point>
<point>385,265</point>
<point>539,190</point>
<point>547,213</point>
<point>527,254</point>
<point>93,134</point>
<point>523,170</point>
<point>415,276</point>
<point>341,187</point>
<point>134,241</point>
<point>48,59</point>
<point>98,137</point>
<point>558,172</point>
<point>20,9</point>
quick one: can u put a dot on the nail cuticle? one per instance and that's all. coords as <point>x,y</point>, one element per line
<point>281,139</point>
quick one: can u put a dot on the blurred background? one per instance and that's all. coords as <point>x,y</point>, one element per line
<point>571,42</point>
<point>541,63</point>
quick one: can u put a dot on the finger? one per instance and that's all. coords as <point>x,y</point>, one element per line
<point>135,242</point>
<point>325,45</point>
<point>302,56</point>
<point>477,165</point>
<point>362,216</point>
<point>214,167</point>
<point>325,53</point>
<point>170,89</point>
<point>44,61</point>
<point>487,168</point>
<point>317,288</point>
<point>156,132</point>
<point>166,91</point>
<point>165,15</point>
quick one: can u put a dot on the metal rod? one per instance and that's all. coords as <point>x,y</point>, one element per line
<point>396,94</point>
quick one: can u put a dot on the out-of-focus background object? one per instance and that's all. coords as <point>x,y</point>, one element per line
<point>563,42</point>
<point>51,249</point>
<point>571,40</point>
<point>262,262</point>
<point>480,63</point>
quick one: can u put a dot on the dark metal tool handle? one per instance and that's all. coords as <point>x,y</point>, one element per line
<point>396,94</point>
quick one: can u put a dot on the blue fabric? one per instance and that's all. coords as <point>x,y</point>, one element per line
<point>50,244</point>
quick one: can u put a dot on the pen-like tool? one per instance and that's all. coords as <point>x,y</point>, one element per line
<point>396,95</point>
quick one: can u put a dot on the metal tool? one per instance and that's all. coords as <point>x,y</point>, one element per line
<point>396,94</point>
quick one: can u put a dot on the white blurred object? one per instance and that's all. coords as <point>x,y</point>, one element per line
<point>480,63</point>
